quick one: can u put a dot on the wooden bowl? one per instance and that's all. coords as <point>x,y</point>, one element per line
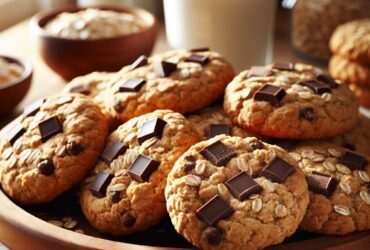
<point>74,57</point>
<point>25,228</point>
<point>12,93</point>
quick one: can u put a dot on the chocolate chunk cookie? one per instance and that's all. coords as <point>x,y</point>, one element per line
<point>183,81</point>
<point>225,193</point>
<point>125,191</point>
<point>286,100</point>
<point>338,182</point>
<point>50,147</point>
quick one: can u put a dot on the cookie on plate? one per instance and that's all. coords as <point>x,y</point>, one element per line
<point>338,182</point>
<point>90,84</point>
<point>125,191</point>
<point>362,94</point>
<point>183,81</point>
<point>234,193</point>
<point>352,40</point>
<point>213,121</point>
<point>286,100</point>
<point>50,147</point>
<point>348,71</point>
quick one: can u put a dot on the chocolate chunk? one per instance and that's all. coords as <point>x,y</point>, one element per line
<point>46,167</point>
<point>99,185</point>
<point>203,60</point>
<point>349,146</point>
<point>283,66</point>
<point>353,161</point>
<point>214,210</point>
<point>141,61</point>
<point>118,106</point>
<point>142,168</point>
<point>269,93</point>
<point>115,196</point>
<point>201,49</point>
<point>259,71</point>
<point>132,85</point>
<point>218,153</point>
<point>189,163</point>
<point>14,132</point>
<point>242,186</point>
<point>33,108</point>
<point>287,144</point>
<point>218,129</point>
<point>73,148</point>
<point>326,78</point>
<point>307,114</point>
<point>321,183</point>
<point>257,144</point>
<point>165,68</point>
<point>112,151</point>
<point>277,170</point>
<point>316,86</point>
<point>212,235</point>
<point>49,128</point>
<point>127,220</point>
<point>152,128</point>
<point>80,89</point>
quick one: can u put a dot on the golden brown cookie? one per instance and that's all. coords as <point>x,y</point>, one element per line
<point>234,193</point>
<point>125,191</point>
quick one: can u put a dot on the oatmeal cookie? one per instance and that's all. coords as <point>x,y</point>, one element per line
<point>234,193</point>
<point>50,147</point>
<point>352,40</point>
<point>338,184</point>
<point>125,191</point>
<point>286,100</point>
<point>183,81</point>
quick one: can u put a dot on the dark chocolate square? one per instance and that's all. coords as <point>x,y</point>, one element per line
<point>218,153</point>
<point>316,86</point>
<point>33,108</point>
<point>286,66</point>
<point>164,68</point>
<point>15,131</point>
<point>214,210</point>
<point>142,168</point>
<point>259,71</point>
<point>269,93</point>
<point>152,128</point>
<point>132,85</point>
<point>353,161</point>
<point>218,129</point>
<point>112,151</point>
<point>326,78</point>
<point>320,183</point>
<point>200,49</point>
<point>49,128</point>
<point>203,60</point>
<point>277,170</point>
<point>99,185</point>
<point>141,61</point>
<point>242,186</point>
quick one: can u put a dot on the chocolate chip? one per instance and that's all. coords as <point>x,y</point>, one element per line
<point>286,66</point>
<point>326,78</point>
<point>316,86</point>
<point>242,186</point>
<point>287,144</point>
<point>152,128</point>
<point>33,108</point>
<point>203,60</point>
<point>164,68</point>
<point>127,220</point>
<point>259,71</point>
<point>142,168</point>
<point>201,49</point>
<point>99,185</point>
<point>214,210</point>
<point>112,151</point>
<point>132,85</point>
<point>349,146</point>
<point>212,235</point>
<point>353,161</point>
<point>141,61</point>
<point>46,167</point>
<point>277,170</point>
<point>190,163</point>
<point>80,89</point>
<point>49,128</point>
<point>218,129</point>
<point>14,132</point>
<point>115,196</point>
<point>218,153</point>
<point>257,144</point>
<point>321,183</point>
<point>74,148</point>
<point>118,106</point>
<point>307,114</point>
<point>269,93</point>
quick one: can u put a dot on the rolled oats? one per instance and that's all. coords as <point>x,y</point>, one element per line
<point>343,210</point>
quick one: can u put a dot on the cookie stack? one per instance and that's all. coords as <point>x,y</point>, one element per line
<point>350,63</point>
<point>286,150</point>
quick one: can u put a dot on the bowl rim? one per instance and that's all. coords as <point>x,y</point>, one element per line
<point>27,70</point>
<point>51,13</point>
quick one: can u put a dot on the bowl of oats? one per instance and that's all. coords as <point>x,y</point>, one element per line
<point>75,41</point>
<point>15,81</point>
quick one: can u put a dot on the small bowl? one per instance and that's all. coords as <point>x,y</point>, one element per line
<point>75,57</point>
<point>12,93</point>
